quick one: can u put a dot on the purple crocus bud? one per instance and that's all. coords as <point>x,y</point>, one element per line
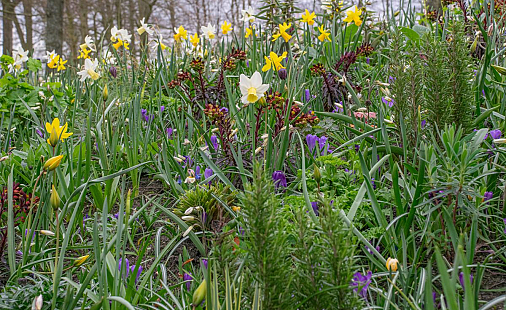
<point>279,179</point>
<point>487,196</point>
<point>144,112</point>
<point>113,71</point>
<point>361,283</point>
<point>424,122</point>
<point>139,271</point>
<point>367,60</point>
<point>208,173</point>
<point>197,173</point>
<point>307,94</point>
<point>314,204</point>
<point>391,79</point>
<point>169,132</point>
<point>282,74</point>
<point>214,141</point>
<point>373,183</point>
<point>203,217</point>
<point>188,278</point>
<point>39,132</point>
<point>204,262</point>
<point>162,108</point>
<point>357,148</point>
<point>311,141</point>
<point>388,101</point>
<point>322,142</point>
<point>241,230</point>
<point>495,134</point>
<point>127,266</point>
<point>461,279</point>
<point>247,63</point>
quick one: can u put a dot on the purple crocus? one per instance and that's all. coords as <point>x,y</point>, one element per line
<point>461,279</point>
<point>188,278</point>
<point>307,95</point>
<point>39,132</point>
<point>204,262</point>
<point>208,173</point>
<point>127,266</point>
<point>495,134</point>
<point>214,141</point>
<point>388,101</point>
<point>322,143</point>
<point>197,173</point>
<point>139,271</point>
<point>487,196</point>
<point>279,179</point>
<point>162,108</point>
<point>424,122</point>
<point>311,141</point>
<point>113,71</point>
<point>314,204</point>
<point>169,132</point>
<point>361,282</point>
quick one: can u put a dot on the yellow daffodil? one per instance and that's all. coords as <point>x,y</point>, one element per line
<point>53,64</point>
<point>57,132</point>
<point>226,27</point>
<point>61,64</point>
<point>353,16</point>
<point>118,44</point>
<point>248,32</point>
<point>195,39</point>
<point>252,89</point>
<point>180,33</point>
<point>324,34</point>
<point>273,61</point>
<point>81,260</point>
<point>84,53</point>
<point>282,32</point>
<point>308,18</point>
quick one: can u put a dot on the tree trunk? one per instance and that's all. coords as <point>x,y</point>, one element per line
<point>54,28</point>
<point>27,9</point>
<point>8,13</point>
<point>433,5</point>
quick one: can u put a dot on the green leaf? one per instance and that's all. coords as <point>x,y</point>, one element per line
<point>410,33</point>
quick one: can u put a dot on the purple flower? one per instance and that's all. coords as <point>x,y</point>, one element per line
<point>39,132</point>
<point>279,179</point>
<point>314,204</point>
<point>188,278</point>
<point>139,271</point>
<point>322,142</point>
<point>282,74</point>
<point>373,183</point>
<point>311,141</point>
<point>388,101</point>
<point>247,63</point>
<point>370,251</point>
<point>307,95</point>
<point>113,71</point>
<point>203,217</point>
<point>204,262</point>
<point>461,279</point>
<point>361,282</point>
<point>357,148</point>
<point>127,266</point>
<point>367,60</point>
<point>495,134</point>
<point>197,173</point>
<point>214,141</point>
<point>169,132</point>
<point>391,79</point>
<point>208,173</point>
<point>487,196</point>
<point>224,110</point>
<point>424,122</point>
<point>162,108</point>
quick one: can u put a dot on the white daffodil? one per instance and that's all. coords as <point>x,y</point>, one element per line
<point>247,15</point>
<point>89,70</point>
<point>20,57</point>
<point>50,55</point>
<point>158,42</point>
<point>121,34</point>
<point>145,28</point>
<point>252,88</point>
<point>88,43</point>
<point>209,32</point>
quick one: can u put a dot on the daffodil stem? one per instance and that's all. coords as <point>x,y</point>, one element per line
<point>55,284</point>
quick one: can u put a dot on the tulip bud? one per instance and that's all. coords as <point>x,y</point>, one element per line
<point>38,302</point>
<point>392,264</point>
<point>501,70</point>
<point>80,260</point>
<point>113,71</point>
<point>105,93</point>
<point>282,74</point>
<point>199,294</point>
<point>52,163</point>
<point>53,138</point>
<point>55,199</point>
<point>47,233</point>
<point>317,174</point>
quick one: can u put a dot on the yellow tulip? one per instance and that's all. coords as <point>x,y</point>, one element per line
<point>53,162</point>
